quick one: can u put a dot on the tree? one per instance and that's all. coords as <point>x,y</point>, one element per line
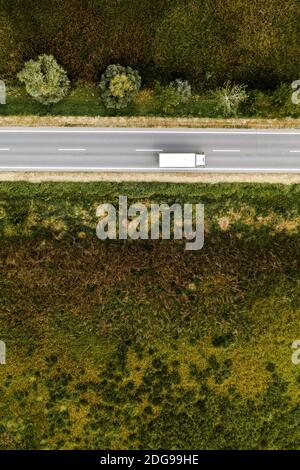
<point>230,97</point>
<point>118,86</point>
<point>45,80</point>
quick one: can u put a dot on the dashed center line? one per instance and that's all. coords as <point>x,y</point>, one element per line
<point>4,150</point>
<point>294,151</point>
<point>216,150</point>
<point>149,150</point>
<point>71,150</point>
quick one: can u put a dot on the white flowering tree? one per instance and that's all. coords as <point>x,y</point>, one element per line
<point>230,97</point>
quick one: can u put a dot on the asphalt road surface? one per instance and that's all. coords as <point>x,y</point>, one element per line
<point>93,149</point>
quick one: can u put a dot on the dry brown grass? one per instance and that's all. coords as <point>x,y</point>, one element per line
<point>213,178</point>
<point>148,121</point>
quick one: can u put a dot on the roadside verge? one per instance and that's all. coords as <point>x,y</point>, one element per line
<point>148,121</point>
<point>213,178</point>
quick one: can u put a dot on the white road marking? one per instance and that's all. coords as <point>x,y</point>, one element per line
<point>149,150</point>
<point>143,131</point>
<point>71,150</point>
<point>226,150</point>
<point>4,150</point>
<point>155,169</point>
<point>294,151</point>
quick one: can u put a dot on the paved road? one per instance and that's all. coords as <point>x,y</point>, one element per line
<point>93,149</point>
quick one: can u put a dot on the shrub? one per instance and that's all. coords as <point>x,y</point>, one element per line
<point>182,89</point>
<point>282,101</point>
<point>223,341</point>
<point>45,80</point>
<point>260,103</point>
<point>166,98</point>
<point>230,97</point>
<point>170,96</point>
<point>118,86</point>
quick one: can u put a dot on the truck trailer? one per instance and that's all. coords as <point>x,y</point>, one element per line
<point>181,160</point>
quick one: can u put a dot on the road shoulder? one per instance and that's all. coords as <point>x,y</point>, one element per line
<point>148,121</point>
<point>213,178</point>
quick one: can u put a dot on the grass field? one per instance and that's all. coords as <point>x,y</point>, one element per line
<point>139,344</point>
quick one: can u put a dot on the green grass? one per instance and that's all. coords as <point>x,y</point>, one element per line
<point>85,101</point>
<point>139,344</point>
<point>80,102</point>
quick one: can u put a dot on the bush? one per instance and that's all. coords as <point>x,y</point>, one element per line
<point>118,86</point>
<point>170,96</point>
<point>260,104</point>
<point>182,89</point>
<point>45,81</point>
<point>230,97</point>
<point>282,101</point>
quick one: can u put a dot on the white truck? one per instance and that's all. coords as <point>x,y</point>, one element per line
<point>181,160</point>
